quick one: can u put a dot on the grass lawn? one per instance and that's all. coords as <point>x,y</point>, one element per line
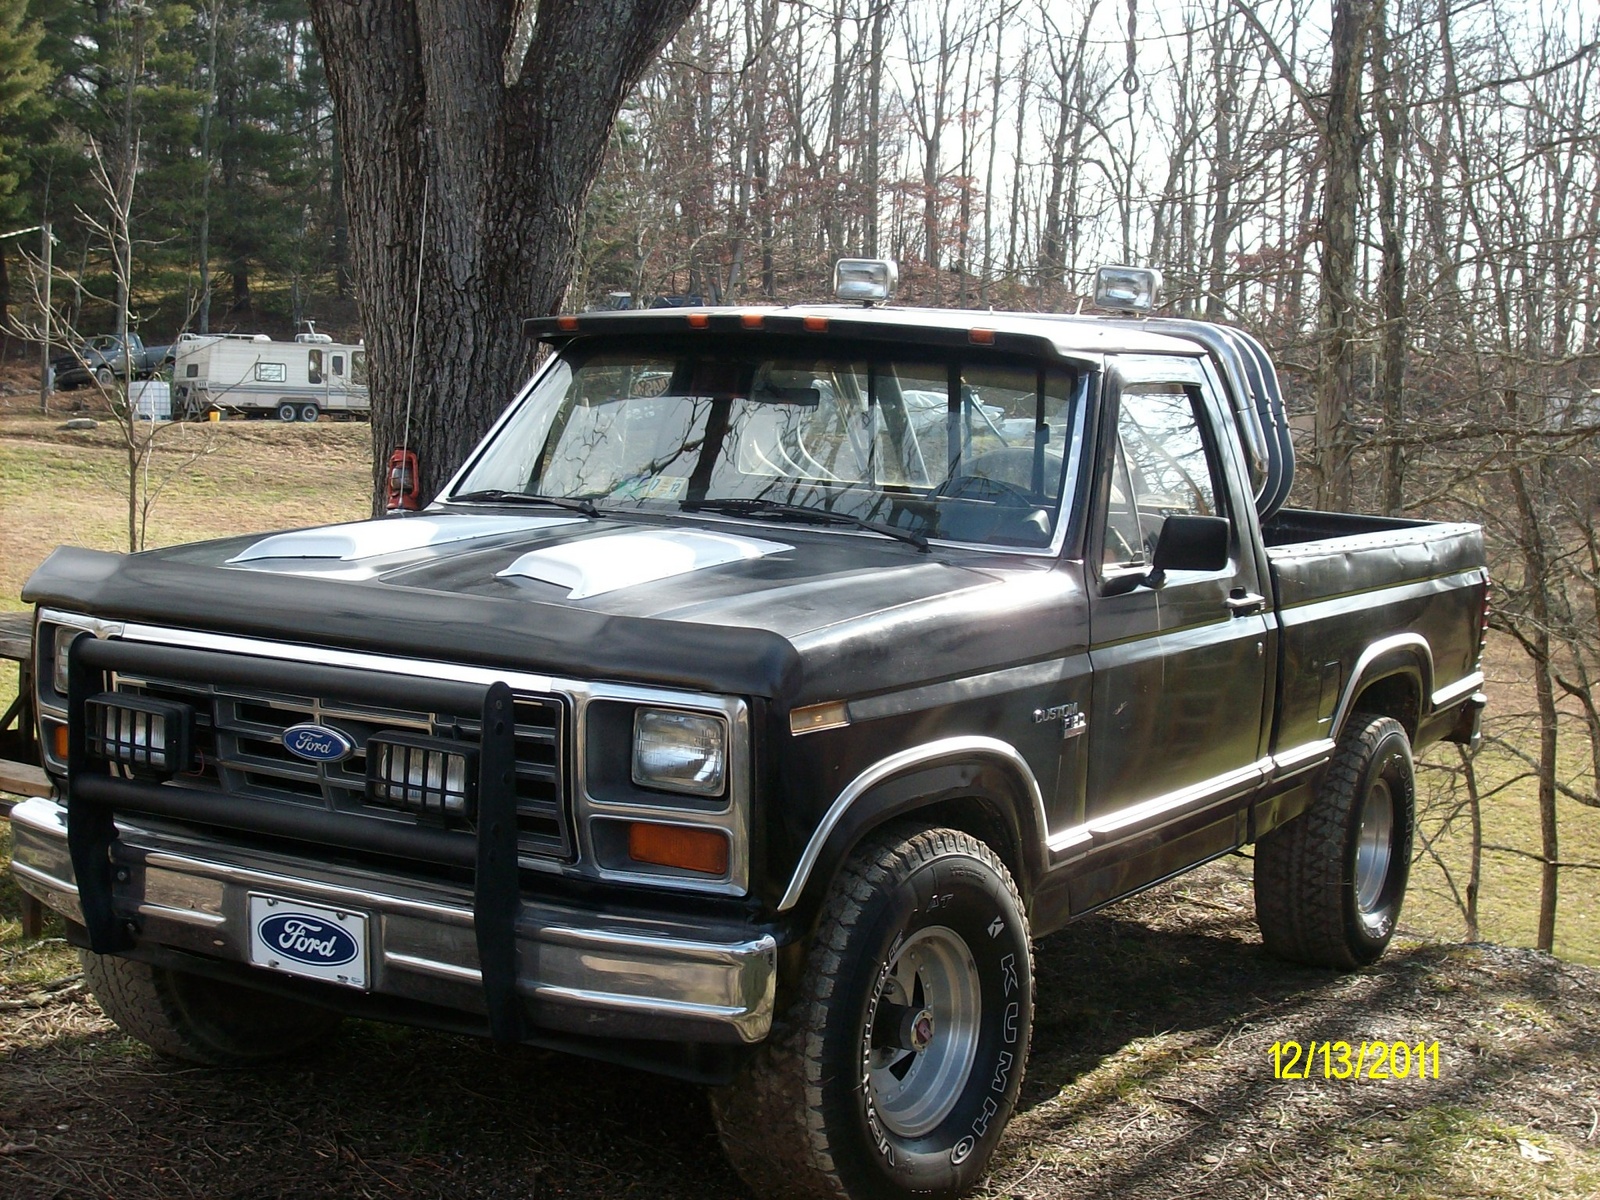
<point>59,487</point>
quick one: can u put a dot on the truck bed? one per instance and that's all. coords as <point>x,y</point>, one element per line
<point>1347,586</point>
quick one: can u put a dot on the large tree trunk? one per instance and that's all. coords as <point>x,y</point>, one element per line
<point>1342,146</point>
<point>1394,336</point>
<point>502,149</point>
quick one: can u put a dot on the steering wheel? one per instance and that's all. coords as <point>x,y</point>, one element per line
<point>985,487</point>
<point>1013,465</point>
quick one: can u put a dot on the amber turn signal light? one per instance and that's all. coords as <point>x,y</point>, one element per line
<point>60,736</point>
<point>701,850</point>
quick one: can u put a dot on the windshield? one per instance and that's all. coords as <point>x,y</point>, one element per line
<point>960,449</point>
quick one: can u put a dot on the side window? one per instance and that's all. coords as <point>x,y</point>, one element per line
<point>1124,544</point>
<point>314,366</point>
<point>338,364</point>
<point>358,368</point>
<point>1161,469</point>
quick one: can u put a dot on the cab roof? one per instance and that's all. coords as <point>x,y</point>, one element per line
<point>1058,335</point>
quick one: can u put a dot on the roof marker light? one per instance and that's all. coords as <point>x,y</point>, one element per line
<point>981,337</point>
<point>698,320</point>
<point>752,320</point>
<point>567,324</point>
<point>816,324</point>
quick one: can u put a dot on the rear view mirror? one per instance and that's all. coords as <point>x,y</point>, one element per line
<point>1189,544</point>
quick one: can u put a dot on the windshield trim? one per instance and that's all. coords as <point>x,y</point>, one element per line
<point>1067,505</point>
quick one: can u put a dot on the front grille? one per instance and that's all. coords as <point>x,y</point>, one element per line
<point>238,748</point>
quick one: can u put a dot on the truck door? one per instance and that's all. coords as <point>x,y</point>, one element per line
<point>1179,670</point>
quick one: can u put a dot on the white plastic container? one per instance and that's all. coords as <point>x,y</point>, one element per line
<point>151,399</point>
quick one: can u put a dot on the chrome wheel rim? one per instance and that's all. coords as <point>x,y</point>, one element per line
<point>922,1031</point>
<point>1374,846</point>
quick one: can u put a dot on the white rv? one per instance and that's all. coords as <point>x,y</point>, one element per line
<point>251,374</point>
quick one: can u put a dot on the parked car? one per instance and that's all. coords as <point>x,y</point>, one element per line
<point>101,360</point>
<point>727,717</point>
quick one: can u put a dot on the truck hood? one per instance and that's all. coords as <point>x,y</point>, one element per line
<point>764,609</point>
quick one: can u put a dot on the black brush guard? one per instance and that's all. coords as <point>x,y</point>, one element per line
<point>94,797</point>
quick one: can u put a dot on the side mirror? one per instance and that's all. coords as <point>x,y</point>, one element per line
<point>1189,544</point>
<point>1186,544</point>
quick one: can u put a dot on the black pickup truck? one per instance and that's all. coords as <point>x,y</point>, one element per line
<point>758,690</point>
<point>102,360</point>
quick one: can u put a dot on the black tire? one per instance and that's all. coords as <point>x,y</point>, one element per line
<point>1329,884</point>
<point>288,411</point>
<point>199,1020</point>
<point>815,1112</point>
<point>106,377</point>
<point>309,413</point>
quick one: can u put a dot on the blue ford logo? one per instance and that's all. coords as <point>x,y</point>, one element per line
<point>317,743</point>
<point>308,939</point>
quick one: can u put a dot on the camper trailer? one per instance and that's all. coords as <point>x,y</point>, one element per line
<point>252,375</point>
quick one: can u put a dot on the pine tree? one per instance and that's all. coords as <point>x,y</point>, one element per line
<point>23,76</point>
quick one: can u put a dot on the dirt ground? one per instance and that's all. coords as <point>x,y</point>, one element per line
<point>1151,1076</point>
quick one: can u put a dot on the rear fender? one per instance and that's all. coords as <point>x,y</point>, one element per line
<point>1398,673</point>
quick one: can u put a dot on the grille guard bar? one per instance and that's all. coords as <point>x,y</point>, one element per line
<point>93,799</point>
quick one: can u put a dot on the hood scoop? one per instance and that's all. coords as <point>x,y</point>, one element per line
<point>607,563</point>
<point>392,535</point>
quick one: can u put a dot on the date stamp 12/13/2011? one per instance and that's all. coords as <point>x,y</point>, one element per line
<point>1359,1060</point>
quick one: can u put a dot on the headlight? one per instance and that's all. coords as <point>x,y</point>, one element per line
<point>680,751</point>
<point>64,636</point>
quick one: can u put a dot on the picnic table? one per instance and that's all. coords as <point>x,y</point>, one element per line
<point>19,753</point>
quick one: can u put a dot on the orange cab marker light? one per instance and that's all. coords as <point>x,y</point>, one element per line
<point>698,320</point>
<point>568,324</point>
<point>752,320</point>
<point>981,337</point>
<point>817,324</point>
<point>61,742</point>
<point>704,851</point>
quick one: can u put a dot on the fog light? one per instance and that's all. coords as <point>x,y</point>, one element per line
<point>147,736</point>
<point>425,775</point>
<point>704,851</point>
<point>1127,289</point>
<point>869,280</point>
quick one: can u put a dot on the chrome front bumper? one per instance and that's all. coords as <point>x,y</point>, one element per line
<point>579,970</point>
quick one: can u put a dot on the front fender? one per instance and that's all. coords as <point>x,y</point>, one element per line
<point>983,778</point>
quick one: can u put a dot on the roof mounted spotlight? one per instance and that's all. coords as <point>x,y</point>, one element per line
<point>1127,289</point>
<point>869,280</point>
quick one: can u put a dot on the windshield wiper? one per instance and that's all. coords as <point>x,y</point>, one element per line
<point>777,510</point>
<point>501,496</point>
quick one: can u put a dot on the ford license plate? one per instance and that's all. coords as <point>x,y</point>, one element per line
<point>307,939</point>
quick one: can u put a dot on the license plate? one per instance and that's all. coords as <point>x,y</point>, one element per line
<point>307,939</point>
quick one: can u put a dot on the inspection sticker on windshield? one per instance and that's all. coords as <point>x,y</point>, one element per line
<point>306,939</point>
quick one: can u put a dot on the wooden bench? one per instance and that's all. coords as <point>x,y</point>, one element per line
<point>19,777</point>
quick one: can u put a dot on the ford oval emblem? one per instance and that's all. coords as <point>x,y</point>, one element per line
<point>317,743</point>
<point>308,939</point>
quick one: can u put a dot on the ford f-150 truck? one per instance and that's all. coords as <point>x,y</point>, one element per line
<point>732,714</point>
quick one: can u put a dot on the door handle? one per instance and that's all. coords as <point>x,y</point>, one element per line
<point>1241,602</point>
